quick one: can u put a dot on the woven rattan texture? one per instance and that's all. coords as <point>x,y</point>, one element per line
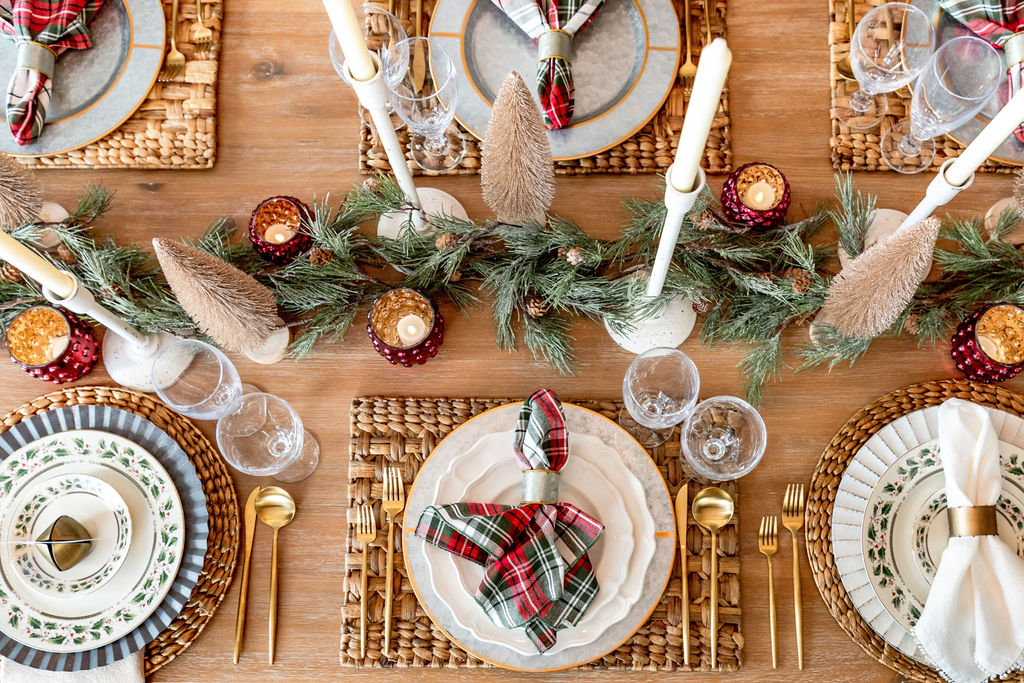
<point>222,546</point>
<point>858,150</point>
<point>650,150</point>
<point>825,483</point>
<point>175,127</point>
<point>402,432</point>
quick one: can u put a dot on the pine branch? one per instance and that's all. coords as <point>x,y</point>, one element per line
<point>854,217</point>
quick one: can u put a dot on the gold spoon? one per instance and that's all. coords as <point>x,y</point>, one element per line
<point>712,509</point>
<point>844,68</point>
<point>276,508</point>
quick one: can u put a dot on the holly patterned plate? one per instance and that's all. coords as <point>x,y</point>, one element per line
<point>97,506</point>
<point>150,566</point>
<point>893,487</point>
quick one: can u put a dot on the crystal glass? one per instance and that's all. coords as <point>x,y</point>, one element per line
<point>659,390</point>
<point>384,35</point>
<point>958,81</point>
<point>723,438</point>
<point>258,433</point>
<point>430,108</point>
<point>890,47</point>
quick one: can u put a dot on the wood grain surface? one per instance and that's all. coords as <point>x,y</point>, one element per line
<point>287,127</point>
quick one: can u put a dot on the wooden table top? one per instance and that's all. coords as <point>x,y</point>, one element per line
<point>287,126</point>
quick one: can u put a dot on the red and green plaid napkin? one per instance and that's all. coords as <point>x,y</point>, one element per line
<point>554,76</point>
<point>59,25</point>
<point>528,582</point>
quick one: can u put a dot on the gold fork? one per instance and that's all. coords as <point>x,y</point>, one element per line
<point>768,544</point>
<point>175,61</point>
<point>366,533</point>
<point>203,39</point>
<point>793,519</point>
<point>688,71</point>
<point>393,503</point>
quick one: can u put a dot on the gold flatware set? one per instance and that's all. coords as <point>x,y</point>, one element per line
<point>688,70</point>
<point>768,545</point>
<point>275,507</point>
<point>202,39</point>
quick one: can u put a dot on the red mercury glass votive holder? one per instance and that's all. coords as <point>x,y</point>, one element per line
<point>275,229</point>
<point>988,346</point>
<point>382,323</point>
<point>52,344</point>
<point>756,195</point>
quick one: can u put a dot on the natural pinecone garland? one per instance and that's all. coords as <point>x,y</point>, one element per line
<point>446,240</point>
<point>535,307</point>
<point>701,306</point>
<point>64,255</point>
<point>9,273</point>
<point>704,220</point>
<point>802,280</point>
<point>911,324</point>
<point>320,257</point>
<point>573,255</point>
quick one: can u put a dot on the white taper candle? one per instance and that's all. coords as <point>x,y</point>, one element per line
<point>35,266</point>
<point>990,137</point>
<point>350,37</point>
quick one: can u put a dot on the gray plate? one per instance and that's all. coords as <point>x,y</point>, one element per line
<point>946,28</point>
<point>190,490</point>
<point>95,90</point>
<point>624,66</point>
<point>659,502</point>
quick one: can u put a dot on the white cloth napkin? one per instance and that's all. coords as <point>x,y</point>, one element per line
<point>972,626</point>
<point>131,669</point>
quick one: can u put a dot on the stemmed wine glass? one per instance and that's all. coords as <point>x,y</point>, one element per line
<point>384,35</point>
<point>889,49</point>
<point>723,438</point>
<point>429,107</point>
<point>258,433</point>
<point>956,84</point>
<point>659,390</point>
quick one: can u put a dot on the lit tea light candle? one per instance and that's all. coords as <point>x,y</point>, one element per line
<point>412,330</point>
<point>38,336</point>
<point>760,196</point>
<point>275,229</point>
<point>988,346</point>
<point>756,195</point>
<point>278,233</point>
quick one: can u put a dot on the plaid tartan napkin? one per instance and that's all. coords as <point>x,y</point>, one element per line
<point>554,75</point>
<point>38,27</point>
<point>995,21</point>
<point>528,582</point>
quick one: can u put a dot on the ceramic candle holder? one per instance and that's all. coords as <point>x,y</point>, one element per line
<point>288,213</point>
<point>735,189</point>
<point>382,326</point>
<point>31,340</point>
<point>988,346</point>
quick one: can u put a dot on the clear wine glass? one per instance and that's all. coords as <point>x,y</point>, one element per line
<point>890,47</point>
<point>958,81</point>
<point>429,108</point>
<point>258,433</point>
<point>384,35</point>
<point>659,390</point>
<point>723,438</point>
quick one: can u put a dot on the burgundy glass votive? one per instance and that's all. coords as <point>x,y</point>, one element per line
<point>756,195</point>
<point>988,346</point>
<point>275,229</point>
<point>52,344</point>
<point>405,327</point>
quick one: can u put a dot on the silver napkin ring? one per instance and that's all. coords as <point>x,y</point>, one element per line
<point>979,520</point>
<point>540,486</point>
<point>37,57</point>
<point>1013,49</point>
<point>554,44</point>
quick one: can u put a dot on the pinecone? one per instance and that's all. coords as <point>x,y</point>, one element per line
<point>535,308</point>
<point>763,275</point>
<point>9,273</point>
<point>573,255</point>
<point>64,255</point>
<point>801,279</point>
<point>372,184</point>
<point>445,240</point>
<point>111,291</point>
<point>910,325</point>
<point>701,306</point>
<point>320,257</point>
<point>803,320</point>
<point>704,220</point>
<point>456,276</point>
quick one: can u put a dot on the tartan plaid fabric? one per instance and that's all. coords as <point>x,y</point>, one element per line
<point>554,76</point>
<point>60,25</point>
<point>528,581</point>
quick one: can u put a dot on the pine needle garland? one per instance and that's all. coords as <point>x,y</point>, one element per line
<point>517,173</point>
<point>21,198</point>
<point>230,306</point>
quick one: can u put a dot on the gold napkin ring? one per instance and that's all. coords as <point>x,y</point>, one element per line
<point>36,56</point>
<point>978,520</point>
<point>554,44</point>
<point>540,486</point>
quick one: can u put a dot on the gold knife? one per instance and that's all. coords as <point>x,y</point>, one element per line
<point>681,511</point>
<point>418,67</point>
<point>243,595</point>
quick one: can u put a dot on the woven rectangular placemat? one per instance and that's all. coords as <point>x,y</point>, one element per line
<point>650,150</point>
<point>402,432</point>
<point>858,150</point>
<point>175,127</point>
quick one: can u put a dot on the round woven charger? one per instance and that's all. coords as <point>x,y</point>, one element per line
<point>222,545</point>
<point>825,483</point>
